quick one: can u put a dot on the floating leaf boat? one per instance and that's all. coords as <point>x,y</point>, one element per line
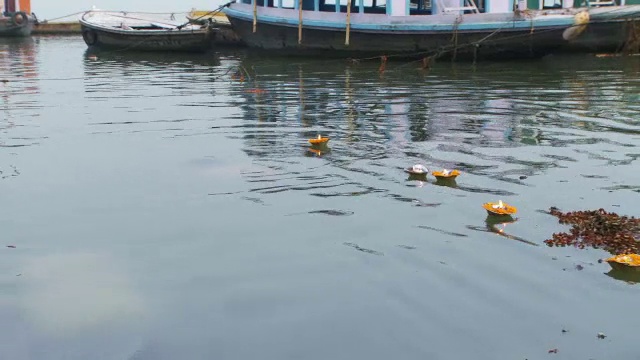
<point>625,262</point>
<point>446,174</point>
<point>319,140</point>
<point>417,169</point>
<point>500,208</point>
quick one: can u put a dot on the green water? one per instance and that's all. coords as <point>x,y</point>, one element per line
<point>161,208</point>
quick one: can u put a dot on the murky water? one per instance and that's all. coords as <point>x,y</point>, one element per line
<point>170,207</point>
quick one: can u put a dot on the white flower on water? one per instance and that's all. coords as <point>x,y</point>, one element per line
<point>419,169</point>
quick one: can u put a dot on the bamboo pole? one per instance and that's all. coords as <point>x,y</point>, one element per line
<point>346,40</point>
<point>299,22</point>
<point>255,14</point>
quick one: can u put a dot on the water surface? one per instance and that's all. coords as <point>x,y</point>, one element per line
<point>170,207</point>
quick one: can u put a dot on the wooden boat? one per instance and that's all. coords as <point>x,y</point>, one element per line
<point>434,28</point>
<point>138,32</point>
<point>16,19</point>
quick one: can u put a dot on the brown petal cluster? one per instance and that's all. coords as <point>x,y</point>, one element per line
<point>598,229</point>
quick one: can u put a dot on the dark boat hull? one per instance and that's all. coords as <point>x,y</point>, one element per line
<point>608,36</point>
<point>182,40</point>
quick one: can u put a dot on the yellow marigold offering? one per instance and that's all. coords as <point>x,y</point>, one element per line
<point>446,174</point>
<point>625,261</point>
<point>319,140</point>
<point>499,208</point>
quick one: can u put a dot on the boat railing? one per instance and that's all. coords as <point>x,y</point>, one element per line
<point>468,5</point>
<point>599,3</point>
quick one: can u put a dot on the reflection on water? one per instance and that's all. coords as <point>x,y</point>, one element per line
<point>498,225</point>
<point>631,277</point>
<point>18,81</point>
<point>71,293</point>
<point>229,236</point>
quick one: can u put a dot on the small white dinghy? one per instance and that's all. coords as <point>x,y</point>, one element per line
<point>141,32</point>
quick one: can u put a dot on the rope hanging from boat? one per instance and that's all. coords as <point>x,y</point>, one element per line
<point>255,15</point>
<point>454,37</point>
<point>346,39</point>
<point>299,22</point>
<point>632,45</point>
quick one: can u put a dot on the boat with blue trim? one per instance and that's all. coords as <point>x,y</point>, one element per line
<point>16,19</point>
<point>473,29</point>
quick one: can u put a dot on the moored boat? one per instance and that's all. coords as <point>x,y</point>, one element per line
<point>433,28</point>
<point>16,19</point>
<point>138,32</point>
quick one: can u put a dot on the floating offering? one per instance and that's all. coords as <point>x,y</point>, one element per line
<point>417,170</point>
<point>446,174</point>
<point>319,140</point>
<point>500,208</point>
<point>625,262</point>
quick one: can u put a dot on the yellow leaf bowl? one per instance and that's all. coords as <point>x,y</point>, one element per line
<point>318,141</point>
<point>450,175</point>
<point>625,262</point>
<point>493,209</point>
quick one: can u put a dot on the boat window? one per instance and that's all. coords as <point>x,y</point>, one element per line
<point>552,4</point>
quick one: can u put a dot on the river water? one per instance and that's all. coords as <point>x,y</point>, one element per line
<point>169,207</point>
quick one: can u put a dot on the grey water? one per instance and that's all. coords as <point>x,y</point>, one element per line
<point>158,206</point>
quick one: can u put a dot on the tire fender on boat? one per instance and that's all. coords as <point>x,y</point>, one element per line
<point>90,37</point>
<point>20,18</point>
<point>580,22</point>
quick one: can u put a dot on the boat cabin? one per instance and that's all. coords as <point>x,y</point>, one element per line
<point>9,7</point>
<point>426,7</point>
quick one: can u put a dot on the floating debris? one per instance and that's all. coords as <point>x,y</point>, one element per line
<point>332,212</point>
<point>601,335</point>
<point>364,250</point>
<point>446,174</point>
<point>597,229</point>
<point>553,351</point>
<point>500,208</point>
<point>11,246</point>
